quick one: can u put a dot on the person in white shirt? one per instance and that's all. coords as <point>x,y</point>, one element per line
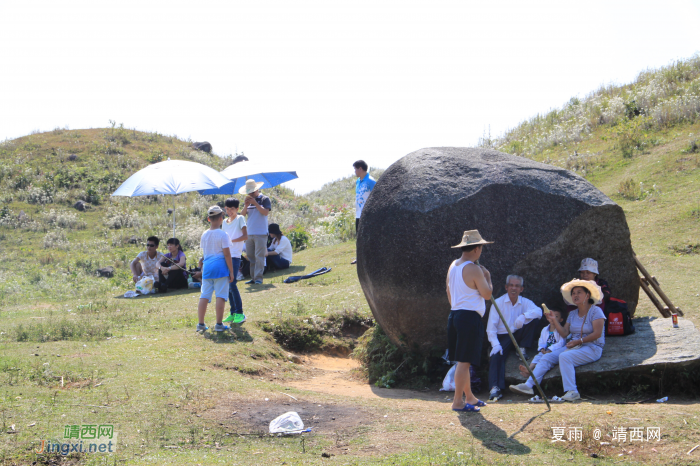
<point>550,340</point>
<point>235,227</point>
<point>280,250</point>
<point>522,316</point>
<point>146,262</point>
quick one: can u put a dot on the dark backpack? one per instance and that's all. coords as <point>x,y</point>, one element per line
<point>618,321</point>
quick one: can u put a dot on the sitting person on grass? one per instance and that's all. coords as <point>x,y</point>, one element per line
<point>171,273</point>
<point>550,340</point>
<point>146,262</point>
<point>584,327</point>
<point>280,250</point>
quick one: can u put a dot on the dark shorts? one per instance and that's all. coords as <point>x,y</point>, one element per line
<point>465,336</point>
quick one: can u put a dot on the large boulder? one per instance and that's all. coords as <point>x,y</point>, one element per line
<point>543,219</point>
<point>203,146</point>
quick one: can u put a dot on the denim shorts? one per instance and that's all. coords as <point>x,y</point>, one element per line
<point>216,285</point>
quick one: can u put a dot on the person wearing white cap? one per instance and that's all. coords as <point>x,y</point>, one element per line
<point>584,329</point>
<point>468,286</point>
<point>589,271</point>
<point>256,207</point>
<point>217,269</point>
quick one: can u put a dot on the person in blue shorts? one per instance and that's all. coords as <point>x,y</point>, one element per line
<point>217,270</point>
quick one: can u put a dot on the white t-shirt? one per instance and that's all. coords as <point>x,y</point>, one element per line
<point>234,230</point>
<point>150,266</point>
<point>283,248</point>
<point>213,242</point>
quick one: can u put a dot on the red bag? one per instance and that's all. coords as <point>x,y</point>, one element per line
<point>618,318</point>
<point>616,324</point>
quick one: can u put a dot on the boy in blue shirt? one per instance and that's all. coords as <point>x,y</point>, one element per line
<point>217,270</point>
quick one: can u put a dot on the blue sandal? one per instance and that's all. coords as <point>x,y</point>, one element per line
<point>480,403</point>
<point>468,408</point>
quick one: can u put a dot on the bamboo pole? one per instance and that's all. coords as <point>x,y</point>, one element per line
<point>657,288</point>
<point>652,297</point>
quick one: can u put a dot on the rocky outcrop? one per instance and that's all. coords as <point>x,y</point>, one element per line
<point>543,219</point>
<point>203,146</point>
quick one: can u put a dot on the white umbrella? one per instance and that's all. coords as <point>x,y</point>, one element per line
<point>171,177</point>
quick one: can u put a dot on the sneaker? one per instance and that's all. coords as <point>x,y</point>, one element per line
<point>240,277</point>
<point>258,282</point>
<point>236,318</point>
<point>524,351</point>
<point>522,388</point>
<point>220,327</point>
<point>495,394</point>
<point>202,328</point>
<point>250,282</point>
<point>571,396</point>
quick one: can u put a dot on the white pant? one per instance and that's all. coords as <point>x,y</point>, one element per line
<point>568,361</point>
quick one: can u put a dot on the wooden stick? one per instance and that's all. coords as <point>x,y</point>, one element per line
<point>653,298</point>
<point>656,287</point>
<point>692,449</point>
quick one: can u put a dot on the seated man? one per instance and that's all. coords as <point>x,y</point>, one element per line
<point>522,316</point>
<point>146,263</point>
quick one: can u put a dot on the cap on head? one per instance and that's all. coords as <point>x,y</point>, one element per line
<point>589,264</point>
<point>250,187</point>
<point>214,211</point>
<point>472,238</point>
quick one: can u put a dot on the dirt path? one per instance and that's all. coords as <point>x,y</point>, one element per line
<point>332,375</point>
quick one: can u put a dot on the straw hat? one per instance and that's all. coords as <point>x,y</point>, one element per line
<point>589,264</point>
<point>472,238</point>
<point>592,287</point>
<point>250,187</point>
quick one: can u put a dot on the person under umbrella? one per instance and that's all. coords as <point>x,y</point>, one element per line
<point>280,251</point>
<point>256,207</point>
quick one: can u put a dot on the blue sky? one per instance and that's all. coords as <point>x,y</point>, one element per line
<point>315,85</point>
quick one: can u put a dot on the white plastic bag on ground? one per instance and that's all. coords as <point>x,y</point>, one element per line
<point>448,385</point>
<point>145,285</point>
<point>288,423</point>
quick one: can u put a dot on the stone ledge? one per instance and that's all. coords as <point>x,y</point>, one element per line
<point>655,344</point>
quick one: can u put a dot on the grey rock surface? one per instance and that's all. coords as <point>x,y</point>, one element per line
<point>203,146</point>
<point>655,344</point>
<point>107,272</point>
<point>543,219</point>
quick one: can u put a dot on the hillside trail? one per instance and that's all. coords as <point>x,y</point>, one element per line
<point>332,375</point>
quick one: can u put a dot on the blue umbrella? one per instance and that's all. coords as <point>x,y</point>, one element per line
<point>171,177</point>
<point>240,172</point>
